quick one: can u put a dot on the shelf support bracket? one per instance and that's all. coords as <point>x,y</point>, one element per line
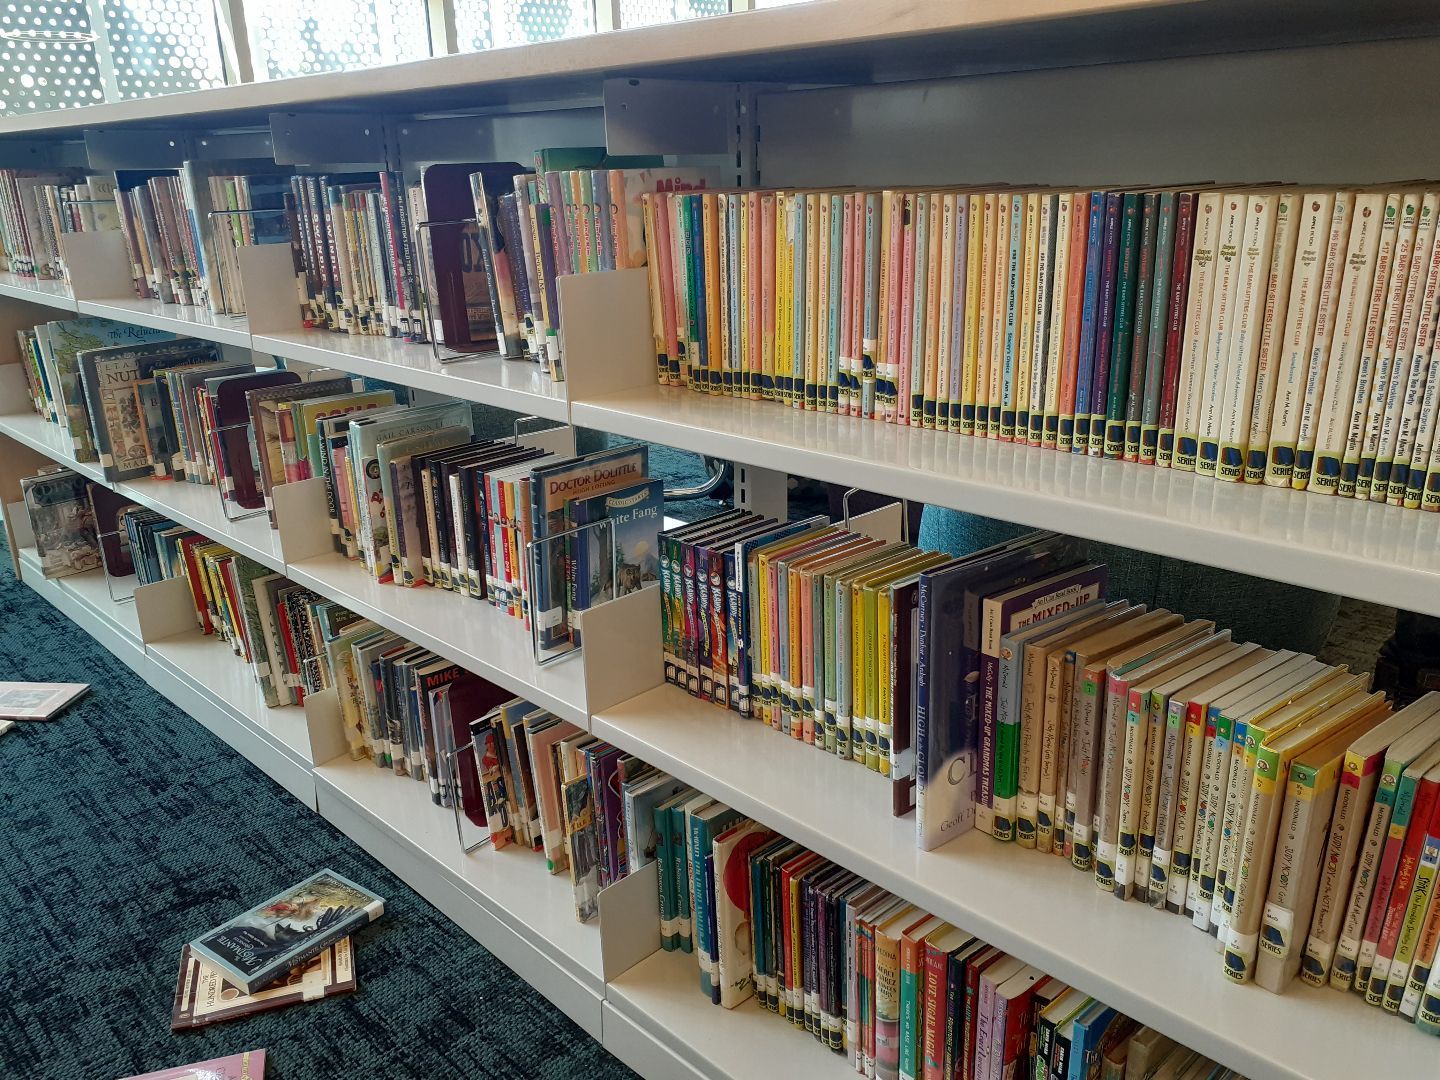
<point>765,491</point>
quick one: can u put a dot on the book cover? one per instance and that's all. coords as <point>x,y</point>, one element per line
<point>247,1066</point>
<point>259,947</point>
<point>62,522</point>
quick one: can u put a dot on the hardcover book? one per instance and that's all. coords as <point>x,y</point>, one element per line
<point>62,522</point>
<point>38,700</point>
<point>247,1066</point>
<point>260,947</point>
<point>204,996</point>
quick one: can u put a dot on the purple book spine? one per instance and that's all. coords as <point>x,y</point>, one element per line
<point>1105,317</point>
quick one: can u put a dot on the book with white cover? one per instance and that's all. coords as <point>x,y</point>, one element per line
<point>1397,347</point>
<point>1227,459</point>
<point>1229,250</point>
<point>1299,332</point>
<point>1324,429</point>
<point>1197,326</point>
<point>36,700</point>
<point>1381,330</point>
<point>1412,396</point>
<point>1331,281</point>
<point>1277,295</point>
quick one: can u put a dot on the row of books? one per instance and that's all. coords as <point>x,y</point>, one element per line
<point>1268,335</point>
<point>37,208</point>
<point>1152,751</point>
<point>901,993</point>
<point>469,254</point>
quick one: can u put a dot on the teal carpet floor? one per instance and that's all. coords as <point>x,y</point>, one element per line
<point>126,829</point>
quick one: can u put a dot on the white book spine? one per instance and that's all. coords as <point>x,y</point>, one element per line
<point>1058,302</point>
<point>1192,749</point>
<point>1229,254</point>
<point>1256,260</point>
<point>1300,317</point>
<point>1411,404</point>
<point>1425,426</point>
<point>1197,327</point>
<point>1381,330</point>
<point>1337,389</point>
<point>1331,281</point>
<point>1415,336</point>
<point>1137,730</point>
<point>1277,294</point>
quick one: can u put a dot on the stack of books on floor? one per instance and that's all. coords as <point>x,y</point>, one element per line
<point>1271,335</point>
<point>899,992</point>
<point>297,946</point>
<point>1168,761</point>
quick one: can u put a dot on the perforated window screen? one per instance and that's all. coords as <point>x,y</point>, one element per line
<point>650,12</point>
<point>289,38</point>
<point>47,57</point>
<point>163,46</point>
<point>494,24</point>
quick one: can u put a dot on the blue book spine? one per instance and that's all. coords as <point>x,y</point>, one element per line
<point>922,703</point>
<point>1105,318</point>
<point>1094,248</point>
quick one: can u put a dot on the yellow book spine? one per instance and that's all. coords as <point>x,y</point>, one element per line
<point>1024,347</point>
<point>974,260</point>
<point>984,313</point>
<point>884,706</point>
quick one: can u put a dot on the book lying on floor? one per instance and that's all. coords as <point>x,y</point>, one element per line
<point>203,995</point>
<point>36,700</point>
<point>247,1066</point>
<point>262,946</point>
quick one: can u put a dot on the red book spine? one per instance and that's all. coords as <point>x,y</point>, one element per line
<point>1179,294</point>
<point>1409,861</point>
<point>1074,297</point>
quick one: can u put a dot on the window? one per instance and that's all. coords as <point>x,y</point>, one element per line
<point>163,46</point>
<point>650,12</point>
<point>301,38</point>
<point>47,57</point>
<point>495,24</point>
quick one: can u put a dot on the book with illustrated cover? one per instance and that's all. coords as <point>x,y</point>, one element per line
<point>38,700</point>
<point>635,514</point>
<point>62,521</point>
<point>204,996</point>
<point>132,438</point>
<point>258,948</point>
<point>247,1066</point>
<point>61,344</point>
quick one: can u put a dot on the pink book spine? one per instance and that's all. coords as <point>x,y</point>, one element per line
<point>857,304</point>
<point>768,293</point>
<point>893,285</point>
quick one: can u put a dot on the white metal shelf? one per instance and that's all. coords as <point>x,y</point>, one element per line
<point>184,319</point>
<point>51,293</point>
<point>506,899</point>
<point>199,674</point>
<point>659,1023</point>
<point>471,633</point>
<point>518,385</point>
<point>826,42</point>
<point>85,600</point>
<point>1149,965</point>
<point>1368,551</point>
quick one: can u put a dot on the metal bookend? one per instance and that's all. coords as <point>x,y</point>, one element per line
<point>904,513</point>
<point>228,502</point>
<point>450,759</point>
<point>122,597</point>
<point>231,305</point>
<point>553,560</point>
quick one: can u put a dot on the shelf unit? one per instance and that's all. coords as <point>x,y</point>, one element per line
<point>848,91</point>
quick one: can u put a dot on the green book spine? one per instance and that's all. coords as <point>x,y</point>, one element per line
<point>1123,338</point>
<point>909,1016</point>
<point>684,940</point>
<point>665,879</point>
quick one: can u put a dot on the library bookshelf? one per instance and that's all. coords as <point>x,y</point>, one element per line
<point>840,91</point>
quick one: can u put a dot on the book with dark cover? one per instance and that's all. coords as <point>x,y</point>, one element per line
<point>261,946</point>
<point>62,522</point>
